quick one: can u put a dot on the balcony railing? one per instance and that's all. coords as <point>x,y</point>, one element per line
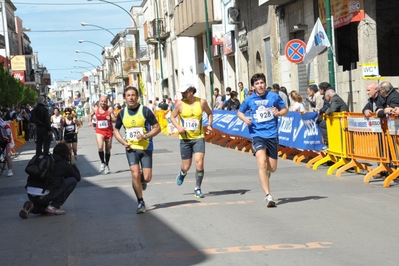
<point>151,31</point>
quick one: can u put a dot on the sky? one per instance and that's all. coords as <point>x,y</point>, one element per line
<point>56,29</point>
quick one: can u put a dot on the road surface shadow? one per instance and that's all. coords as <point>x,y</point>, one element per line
<point>281,201</point>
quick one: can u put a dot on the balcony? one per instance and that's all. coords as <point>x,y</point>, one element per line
<point>274,2</point>
<point>151,31</point>
<point>190,17</point>
<point>131,66</point>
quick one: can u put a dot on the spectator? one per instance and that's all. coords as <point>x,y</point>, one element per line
<point>391,97</point>
<point>315,99</point>
<point>243,91</point>
<point>43,126</point>
<point>49,198</point>
<point>151,106</point>
<point>5,145</point>
<point>276,88</point>
<point>217,100</point>
<point>298,104</point>
<point>227,96</point>
<point>336,103</point>
<point>323,87</point>
<point>284,90</point>
<point>233,104</point>
<point>375,101</point>
<point>163,105</point>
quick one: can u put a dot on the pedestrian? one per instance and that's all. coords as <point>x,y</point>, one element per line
<point>43,126</point>
<point>104,131</point>
<point>191,134</point>
<point>217,100</point>
<point>140,127</point>
<point>56,125</point>
<point>5,143</point>
<point>71,129</point>
<point>264,109</point>
<point>49,198</point>
<point>243,91</point>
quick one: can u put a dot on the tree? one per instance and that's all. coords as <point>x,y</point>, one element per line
<point>12,91</point>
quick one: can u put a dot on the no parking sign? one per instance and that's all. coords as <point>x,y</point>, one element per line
<point>295,51</point>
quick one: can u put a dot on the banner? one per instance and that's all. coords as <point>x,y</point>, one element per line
<point>343,11</point>
<point>364,124</point>
<point>300,131</point>
<point>295,130</point>
<point>217,34</point>
<point>318,41</point>
<point>207,65</point>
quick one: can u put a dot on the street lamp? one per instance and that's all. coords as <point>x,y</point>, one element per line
<point>137,40</point>
<point>80,51</point>
<point>88,69</point>
<point>78,60</point>
<point>82,41</point>
<point>208,45</point>
<point>120,51</point>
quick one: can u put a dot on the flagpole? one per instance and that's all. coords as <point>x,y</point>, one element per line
<point>208,45</point>
<point>331,72</point>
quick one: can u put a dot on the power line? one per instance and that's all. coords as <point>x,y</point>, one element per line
<point>68,4</point>
<point>72,30</point>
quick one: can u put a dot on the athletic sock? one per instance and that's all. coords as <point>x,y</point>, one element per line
<point>101,154</point>
<point>199,175</point>
<point>107,157</point>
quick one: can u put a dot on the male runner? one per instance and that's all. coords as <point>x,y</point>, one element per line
<point>104,131</point>
<point>140,127</point>
<point>191,134</point>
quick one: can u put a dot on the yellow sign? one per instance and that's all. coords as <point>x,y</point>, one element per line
<point>18,62</point>
<point>343,11</point>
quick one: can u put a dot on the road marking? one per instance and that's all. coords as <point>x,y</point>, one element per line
<point>200,204</point>
<point>217,251</point>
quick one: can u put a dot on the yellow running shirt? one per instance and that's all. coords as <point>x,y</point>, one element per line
<point>191,120</point>
<point>134,125</point>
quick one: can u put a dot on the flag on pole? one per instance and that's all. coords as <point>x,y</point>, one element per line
<point>318,41</point>
<point>207,65</point>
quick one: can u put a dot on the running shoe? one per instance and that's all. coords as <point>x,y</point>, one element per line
<point>270,201</point>
<point>26,209</point>
<point>106,170</point>
<point>180,178</point>
<point>144,185</point>
<point>53,210</point>
<point>141,207</point>
<point>76,157</point>
<point>198,194</point>
<point>10,173</point>
<point>102,167</point>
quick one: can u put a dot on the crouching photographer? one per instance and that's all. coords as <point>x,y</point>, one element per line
<point>47,196</point>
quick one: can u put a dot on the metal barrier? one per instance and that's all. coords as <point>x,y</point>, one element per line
<point>392,133</point>
<point>336,143</point>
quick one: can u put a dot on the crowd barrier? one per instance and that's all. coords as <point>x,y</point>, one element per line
<point>17,136</point>
<point>354,141</point>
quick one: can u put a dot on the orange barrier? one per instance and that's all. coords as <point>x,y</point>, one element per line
<point>18,140</point>
<point>392,133</point>
<point>376,149</point>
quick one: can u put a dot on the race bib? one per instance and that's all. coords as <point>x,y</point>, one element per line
<point>264,114</point>
<point>102,124</point>
<point>191,124</point>
<point>70,128</point>
<point>131,133</point>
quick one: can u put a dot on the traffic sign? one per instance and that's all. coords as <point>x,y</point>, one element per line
<point>295,51</point>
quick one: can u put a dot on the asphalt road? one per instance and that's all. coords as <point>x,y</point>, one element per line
<point>319,219</point>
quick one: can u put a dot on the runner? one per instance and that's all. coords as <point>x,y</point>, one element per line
<point>260,112</point>
<point>71,128</point>
<point>56,125</point>
<point>79,113</point>
<point>104,131</point>
<point>140,126</point>
<point>191,134</point>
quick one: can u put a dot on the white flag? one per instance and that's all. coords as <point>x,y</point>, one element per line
<point>318,41</point>
<point>207,65</point>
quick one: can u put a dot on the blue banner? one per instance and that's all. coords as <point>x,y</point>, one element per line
<point>300,131</point>
<point>296,130</point>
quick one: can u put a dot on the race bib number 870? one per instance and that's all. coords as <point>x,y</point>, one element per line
<point>131,133</point>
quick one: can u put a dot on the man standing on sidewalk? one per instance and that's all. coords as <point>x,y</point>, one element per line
<point>140,127</point>
<point>260,113</point>
<point>191,134</point>
<point>43,126</point>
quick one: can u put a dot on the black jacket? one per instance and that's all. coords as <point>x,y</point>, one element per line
<point>392,100</point>
<point>337,105</point>
<point>232,106</point>
<point>41,116</point>
<point>379,102</point>
<point>63,169</point>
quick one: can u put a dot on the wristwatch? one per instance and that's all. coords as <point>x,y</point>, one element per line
<point>145,136</point>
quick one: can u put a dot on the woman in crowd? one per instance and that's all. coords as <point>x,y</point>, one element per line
<point>298,104</point>
<point>56,125</point>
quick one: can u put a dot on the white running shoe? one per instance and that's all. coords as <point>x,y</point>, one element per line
<point>270,201</point>
<point>106,170</point>
<point>10,173</point>
<point>102,167</point>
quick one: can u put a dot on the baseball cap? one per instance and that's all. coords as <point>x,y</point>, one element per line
<point>185,88</point>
